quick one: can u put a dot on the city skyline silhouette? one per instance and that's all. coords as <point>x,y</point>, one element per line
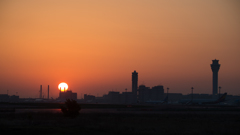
<point>94,47</point>
<point>120,67</point>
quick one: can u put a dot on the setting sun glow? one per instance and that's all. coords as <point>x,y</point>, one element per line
<point>63,86</point>
<point>95,45</point>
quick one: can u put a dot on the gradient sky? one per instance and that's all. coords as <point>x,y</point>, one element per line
<point>95,45</point>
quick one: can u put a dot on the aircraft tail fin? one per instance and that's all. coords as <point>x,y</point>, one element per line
<point>222,98</point>
<point>165,99</point>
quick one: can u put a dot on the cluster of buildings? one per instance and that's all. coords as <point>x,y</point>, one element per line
<point>8,98</point>
<point>142,94</point>
<point>63,95</point>
<point>139,94</point>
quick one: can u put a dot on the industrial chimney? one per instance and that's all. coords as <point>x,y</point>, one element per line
<point>40,91</point>
<point>48,91</point>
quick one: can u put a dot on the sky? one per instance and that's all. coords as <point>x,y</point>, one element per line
<point>94,46</point>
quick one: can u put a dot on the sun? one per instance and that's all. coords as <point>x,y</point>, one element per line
<point>63,86</point>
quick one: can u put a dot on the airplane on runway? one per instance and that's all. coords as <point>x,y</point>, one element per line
<point>203,101</point>
<point>158,102</point>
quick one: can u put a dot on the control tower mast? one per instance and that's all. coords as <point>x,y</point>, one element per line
<point>215,68</point>
<point>134,85</point>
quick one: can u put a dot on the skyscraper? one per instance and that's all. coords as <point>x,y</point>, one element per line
<point>215,68</point>
<point>134,85</point>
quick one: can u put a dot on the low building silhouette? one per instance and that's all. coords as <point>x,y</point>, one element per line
<point>4,98</point>
<point>144,94</point>
<point>113,97</point>
<point>14,98</point>
<point>7,98</point>
<point>147,94</point>
<point>89,98</point>
<point>67,95</point>
<point>126,98</point>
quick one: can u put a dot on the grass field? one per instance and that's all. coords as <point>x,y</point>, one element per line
<point>121,123</point>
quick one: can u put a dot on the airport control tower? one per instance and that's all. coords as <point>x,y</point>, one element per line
<point>215,68</point>
<point>134,85</point>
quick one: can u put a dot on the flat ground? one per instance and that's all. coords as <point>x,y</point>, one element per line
<point>164,123</point>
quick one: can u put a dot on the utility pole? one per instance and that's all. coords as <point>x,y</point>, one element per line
<point>126,96</point>
<point>167,94</point>
<point>192,93</point>
<point>48,92</point>
<point>40,96</point>
<point>219,91</point>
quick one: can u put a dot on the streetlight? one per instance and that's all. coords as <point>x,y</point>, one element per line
<point>192,93</point>
<point>167,94</point>
<point>219,90</point>
<point>126,96</point>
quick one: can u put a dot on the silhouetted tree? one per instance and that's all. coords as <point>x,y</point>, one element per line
<point>72,108</point>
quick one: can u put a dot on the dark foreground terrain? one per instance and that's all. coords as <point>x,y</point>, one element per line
<point>164,123</point>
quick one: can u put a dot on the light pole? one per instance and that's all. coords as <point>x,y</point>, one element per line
<point>192,93</point>
<point>219,90</point>
<point>167,94</point>
<point>126,96</point>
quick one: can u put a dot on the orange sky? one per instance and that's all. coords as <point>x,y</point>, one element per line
<point>95,45</point>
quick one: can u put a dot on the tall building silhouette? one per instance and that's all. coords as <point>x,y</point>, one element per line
<point>215,68</point>
<point>134,85</point>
